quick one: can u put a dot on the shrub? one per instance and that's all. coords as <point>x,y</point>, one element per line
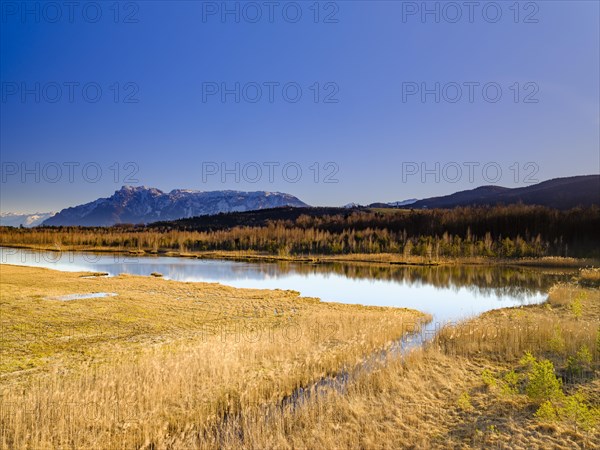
<point>510,383</point>
<point>527,360</point>
<point>576,410</point>
<point>577,305</point>
<point>546,412</point>
<point>542,383</point>
<point>576,365</point>
<point>572,408</point>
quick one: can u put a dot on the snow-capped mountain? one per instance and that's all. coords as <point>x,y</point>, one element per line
<point>27,220</point>
<point>146,205</point>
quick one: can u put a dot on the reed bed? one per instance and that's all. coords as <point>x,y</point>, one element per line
<point>163,363</point>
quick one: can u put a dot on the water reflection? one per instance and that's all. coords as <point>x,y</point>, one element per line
<point>449,293</point>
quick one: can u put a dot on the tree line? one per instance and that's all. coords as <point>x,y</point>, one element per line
<point>501,231</point>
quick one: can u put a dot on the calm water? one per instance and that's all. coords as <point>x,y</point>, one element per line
<point>448,293</point>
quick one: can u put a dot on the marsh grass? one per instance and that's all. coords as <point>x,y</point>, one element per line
<point>162,385</point>
<point>589,277</point>
<point>471,388</point>
<point>555,329</point>
<point>165,362</point>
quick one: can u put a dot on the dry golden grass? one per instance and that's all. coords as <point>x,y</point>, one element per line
<point>590,277</point>
<point>569,319</point>
<point>386,259</point>
<point>437,397</point>
<point>164,364</point>
<point>173,383</point>
<point>428,401</point>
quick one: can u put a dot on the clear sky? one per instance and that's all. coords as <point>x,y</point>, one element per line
<point>358,95</point>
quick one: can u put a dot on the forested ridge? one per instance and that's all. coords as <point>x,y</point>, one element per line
<point>500,231</point>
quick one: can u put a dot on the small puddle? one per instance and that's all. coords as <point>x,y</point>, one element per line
<point>69,297</point>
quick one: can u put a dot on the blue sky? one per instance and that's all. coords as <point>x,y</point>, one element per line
<point>137,93</point>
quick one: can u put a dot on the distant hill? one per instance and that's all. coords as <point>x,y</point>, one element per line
<point>559,193</point>
<point>27,220</point>
<point>146,205</point>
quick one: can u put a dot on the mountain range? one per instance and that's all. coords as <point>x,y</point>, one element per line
<point>558,193</point>
<point>146,205</point>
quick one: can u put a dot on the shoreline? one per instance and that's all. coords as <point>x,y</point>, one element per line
<point>384,259</point>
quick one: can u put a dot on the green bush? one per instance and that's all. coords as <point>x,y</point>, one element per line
<point>582,361</point>
<point>573,409</point>
<point>547,412</point>
<point>576,410</point>
<point>542,383</point>
<point>527,360</point>
<point>577,305</point>
<point>510,384</point>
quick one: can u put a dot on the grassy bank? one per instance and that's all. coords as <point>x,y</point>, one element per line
<point>512,378</point>
<point>163,364</point>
